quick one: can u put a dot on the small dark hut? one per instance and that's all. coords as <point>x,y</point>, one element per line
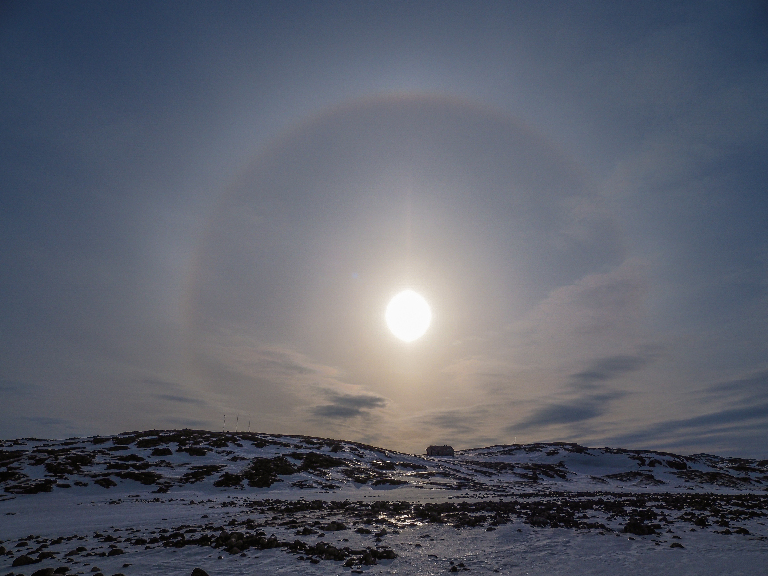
<point>440,451</point>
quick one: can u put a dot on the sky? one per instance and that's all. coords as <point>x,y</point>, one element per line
<point>205,208</point>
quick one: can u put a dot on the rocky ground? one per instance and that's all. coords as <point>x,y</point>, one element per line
<point>174,501</point>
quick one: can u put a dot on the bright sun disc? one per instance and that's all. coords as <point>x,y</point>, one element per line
<point>408,315</point>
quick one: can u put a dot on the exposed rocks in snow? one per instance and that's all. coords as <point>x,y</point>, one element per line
<point>175,458</point>
<point>322,500</point>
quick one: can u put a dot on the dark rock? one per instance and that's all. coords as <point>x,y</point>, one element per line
<point>317,461</point>
<point>145,478</point>
<point>637,527</point>
<point>34,487</point>
<point>105,482</point>
<point>10,456</point>
<point>194,451</point>
<point>263,472</point>
<point>115,552</point>
<point>228,480</point>
<point>638,478</point>
<point>385,554</point>
<point>334,526</point>
<point>389,481</point>
<point>123,440</point>
<point>149,443</point>
<point>701,522</point>
<point>23,560</point>
<point>44,572</point>
<point>676,545</point>
<point>199,473</point>
<point>199,572</point>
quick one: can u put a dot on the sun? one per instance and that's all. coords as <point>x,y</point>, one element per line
<point>408,315</point>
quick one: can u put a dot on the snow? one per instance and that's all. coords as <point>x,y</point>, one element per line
<point>536,509</point>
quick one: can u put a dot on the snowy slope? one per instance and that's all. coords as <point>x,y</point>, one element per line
<point>169,501</point>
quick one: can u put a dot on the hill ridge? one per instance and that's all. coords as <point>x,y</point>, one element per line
<point>169,459</point>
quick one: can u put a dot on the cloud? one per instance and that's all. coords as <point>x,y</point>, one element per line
<point>177,392</point>
<point>160,383</point>
<point>15,387</point>
<point>278,365</point>
<point>54,427</point>
<point>732,428</point>
<point>471,426</point>
<point>728,425</point>
<point>569,412</point>
<point>743,390</point>
<point>345,406</point>
<point>287,364</point>
<point>610,368</point>
<point>456,422</point>
<point>599,314</point>
<point>699,136</point>
<point>181,399</point>
<point>590,396</point>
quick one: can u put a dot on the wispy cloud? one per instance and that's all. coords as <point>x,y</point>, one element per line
<point>343,406</point>
<point>748,390</point>
<point>610,368</point>
<point>462,423</point>
<point>174,392</point>
<point>54,427</point>
<point>735,429</point>
<point>16,387</point>
<point>739,415</point>
<point>601,312</point>
<point>587,395</point>
<point>181,399</point>
<point>571,411</point>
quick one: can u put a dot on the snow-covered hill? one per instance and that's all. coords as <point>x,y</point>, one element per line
<point>245,503</point>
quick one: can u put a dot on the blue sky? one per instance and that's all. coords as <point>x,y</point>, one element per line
<point>205,208</point>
